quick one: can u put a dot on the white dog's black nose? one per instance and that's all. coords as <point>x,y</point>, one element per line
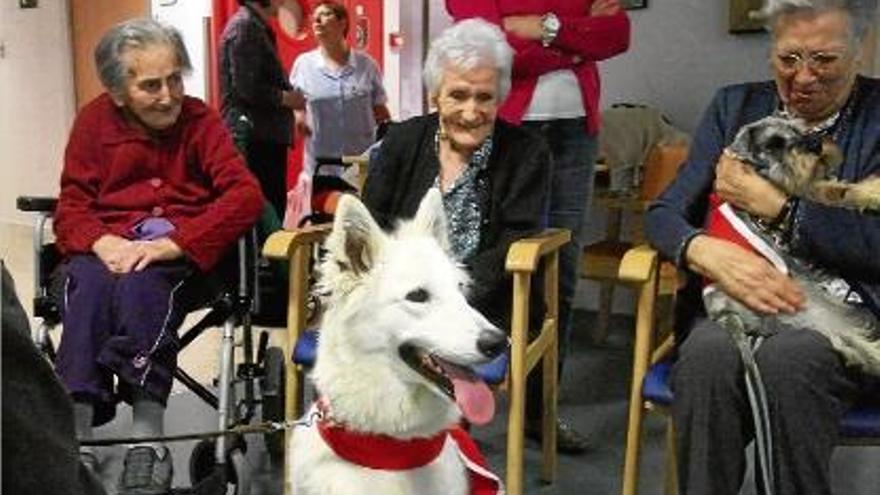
<point>492,342</point>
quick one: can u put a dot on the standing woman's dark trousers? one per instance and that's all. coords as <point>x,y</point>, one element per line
<point>268,161</point>
<point>808,389</point>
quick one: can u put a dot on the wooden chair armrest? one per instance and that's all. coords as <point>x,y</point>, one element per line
<point>625,202</point>
<point>283,243</point>
<point>524,254</point>
<point>639,264</point>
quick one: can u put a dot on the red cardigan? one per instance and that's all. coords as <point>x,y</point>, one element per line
<point>115,176</point>
<point>591,38</point>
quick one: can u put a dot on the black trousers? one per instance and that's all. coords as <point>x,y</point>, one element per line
<point>268,161</point>
<point>808,390</point>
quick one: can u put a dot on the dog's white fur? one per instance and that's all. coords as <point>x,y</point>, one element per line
<point>367,275</point>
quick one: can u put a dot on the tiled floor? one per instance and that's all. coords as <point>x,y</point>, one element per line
<point>594,399</point>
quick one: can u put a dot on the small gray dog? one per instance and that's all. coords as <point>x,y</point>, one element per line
<point>805,167</point>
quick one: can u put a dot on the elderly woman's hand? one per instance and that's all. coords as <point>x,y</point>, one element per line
<point>117,253</point>
<point>121,255</point>
<point>739,184</point>
<point>744,275</point>
<point>163,249</point>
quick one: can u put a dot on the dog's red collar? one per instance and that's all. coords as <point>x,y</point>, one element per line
<point>392,454</point>
<point>373,450</point>
<point>381,451</point>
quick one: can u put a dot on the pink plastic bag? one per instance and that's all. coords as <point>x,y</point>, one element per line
<point>299,202</point>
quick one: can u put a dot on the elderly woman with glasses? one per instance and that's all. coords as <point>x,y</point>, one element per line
<point>492,175</point>
<point>815,55</point>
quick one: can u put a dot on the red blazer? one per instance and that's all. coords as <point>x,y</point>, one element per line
<point>193,175</point>
<point>591,38</point>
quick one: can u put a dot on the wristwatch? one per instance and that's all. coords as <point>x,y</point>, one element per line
<point>549,28</point>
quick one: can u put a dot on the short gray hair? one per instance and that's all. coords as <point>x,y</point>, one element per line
<point>134,34</point>
<point>862,13</point>
<point>466,45</point>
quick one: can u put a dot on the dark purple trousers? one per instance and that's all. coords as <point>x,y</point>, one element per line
<point>123,325</point>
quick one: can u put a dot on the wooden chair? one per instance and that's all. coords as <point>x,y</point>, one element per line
<point>600,261</point>
<point>524,258</point>
<point>652,364</point>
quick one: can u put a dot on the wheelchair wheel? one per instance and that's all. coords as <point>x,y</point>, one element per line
<point>272,393</point>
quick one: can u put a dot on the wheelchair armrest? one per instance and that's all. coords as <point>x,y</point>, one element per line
<point>524,254</point>
<point>283,244</point>
<point>45,204</point>
<point>639,264</point>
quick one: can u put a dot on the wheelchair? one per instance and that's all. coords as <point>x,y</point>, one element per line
<point>234,292</point>
<point>327,188</point>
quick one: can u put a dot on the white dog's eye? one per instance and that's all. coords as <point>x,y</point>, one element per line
<point>417,295</point>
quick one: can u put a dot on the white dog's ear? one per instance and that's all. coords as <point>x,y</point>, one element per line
<point>431,217</point>
<point>356,238</point>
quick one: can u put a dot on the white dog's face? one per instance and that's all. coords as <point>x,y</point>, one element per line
<point>401,299</point>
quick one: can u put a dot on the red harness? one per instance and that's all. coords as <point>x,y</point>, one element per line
<point>723,223</point>
<point>392,454</point>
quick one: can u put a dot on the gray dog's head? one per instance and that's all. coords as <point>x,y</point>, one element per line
<point>782,151</point>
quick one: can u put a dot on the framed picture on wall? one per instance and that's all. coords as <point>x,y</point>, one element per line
<point>633,4</point>
<point>741,20</point>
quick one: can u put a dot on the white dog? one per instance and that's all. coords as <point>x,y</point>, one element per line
<point>397,343</point>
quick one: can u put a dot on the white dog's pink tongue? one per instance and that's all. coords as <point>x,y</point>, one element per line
<point>474,398</point>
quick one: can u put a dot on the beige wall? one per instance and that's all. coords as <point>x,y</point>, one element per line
<point>872,53</point>
<point>90,19</point>
<point>36,101</point>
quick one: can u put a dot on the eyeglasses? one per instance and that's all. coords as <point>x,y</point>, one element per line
<point>819,63</point>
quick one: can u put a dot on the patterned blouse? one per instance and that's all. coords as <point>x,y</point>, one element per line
<point>462,201</point>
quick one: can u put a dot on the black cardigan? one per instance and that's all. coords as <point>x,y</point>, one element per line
<point>518,177</point>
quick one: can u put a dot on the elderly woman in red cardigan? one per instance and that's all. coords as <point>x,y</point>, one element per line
<point>153,191</point>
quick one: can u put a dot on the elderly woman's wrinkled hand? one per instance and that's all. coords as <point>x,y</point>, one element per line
<point>117,253</point>
<point>121,255</point>
<point>149,252</point>
<point>744,275</point>
<point>739,184</point>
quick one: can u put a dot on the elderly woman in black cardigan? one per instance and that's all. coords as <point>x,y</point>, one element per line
<point>492,175</point>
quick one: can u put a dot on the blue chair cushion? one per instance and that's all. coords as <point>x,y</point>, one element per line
<point>306,349</point>
<point>655,388</point>
<point>494,372</point>
<point>861,421</point>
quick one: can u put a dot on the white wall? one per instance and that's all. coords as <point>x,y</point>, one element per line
<point>680,54</point>
<point>410,80</point>
<point>36,101</point>
<point>189,16</point>
<point>392,22</point>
